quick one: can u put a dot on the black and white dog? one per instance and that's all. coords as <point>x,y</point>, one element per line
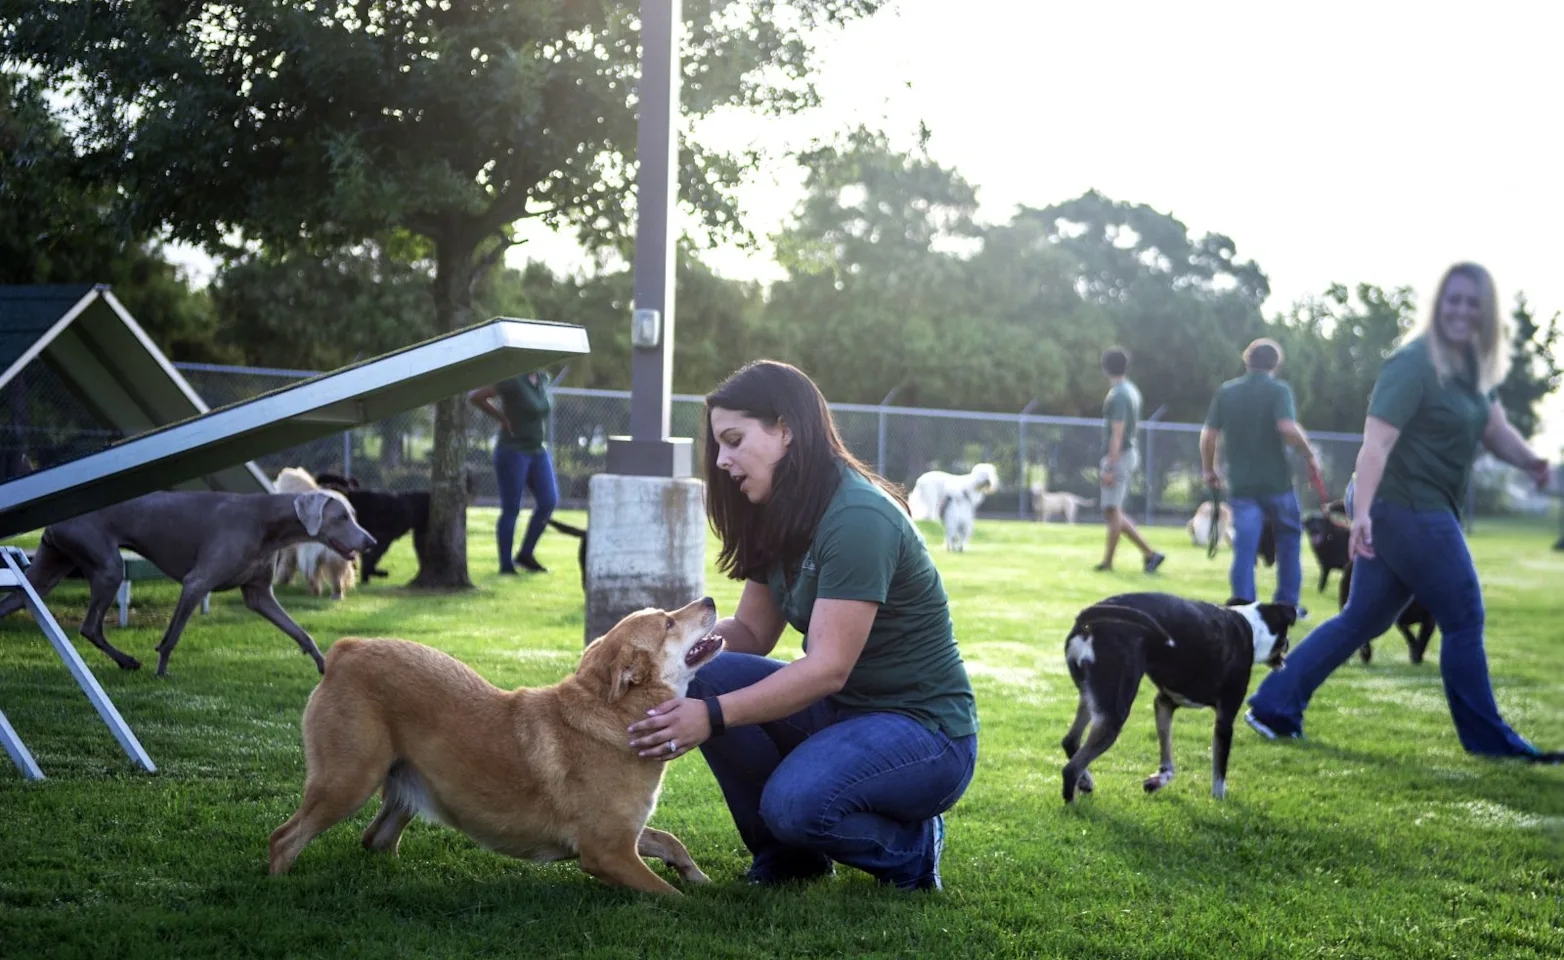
<point>1196,653</point>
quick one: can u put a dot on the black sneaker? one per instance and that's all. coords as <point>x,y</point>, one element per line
<point>527,562</point>
<point>1550,757</point>
<point>1154,561</point>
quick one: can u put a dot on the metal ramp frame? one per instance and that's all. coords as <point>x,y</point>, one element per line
<point>352,396</point>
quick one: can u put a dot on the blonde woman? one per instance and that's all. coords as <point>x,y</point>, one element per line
<point>1432,406</point>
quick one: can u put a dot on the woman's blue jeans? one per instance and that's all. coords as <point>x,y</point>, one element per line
<point>518,471</point>
<point>864,789</point>
<point>1419,554</point>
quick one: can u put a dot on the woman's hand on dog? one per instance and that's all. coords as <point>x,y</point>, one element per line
<point>681,724</point>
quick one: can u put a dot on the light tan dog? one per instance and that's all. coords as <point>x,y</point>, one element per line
<point>1066,505</point>
<point>1199,526</point>
<point>540,774</point>
<point>315,561</point>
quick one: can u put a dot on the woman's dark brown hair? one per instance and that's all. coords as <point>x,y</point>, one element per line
<point>755,536</point>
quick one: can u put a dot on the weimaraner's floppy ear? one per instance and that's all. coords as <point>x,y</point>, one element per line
<point>311,510</point>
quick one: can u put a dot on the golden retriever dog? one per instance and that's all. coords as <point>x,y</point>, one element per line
<point>316,561</point>
<point>540,774</point>
<point>1199,526</point>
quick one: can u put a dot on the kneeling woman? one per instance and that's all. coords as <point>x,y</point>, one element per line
<point>851,752</point>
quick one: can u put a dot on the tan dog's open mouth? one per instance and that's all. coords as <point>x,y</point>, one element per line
<point>705,648</point>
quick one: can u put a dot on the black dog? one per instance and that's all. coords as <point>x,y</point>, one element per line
<point>1414,615</point>
<point>388,515</point>
<point>1267,550</point>
<point>1197,654</point>
<point>1329,539</point>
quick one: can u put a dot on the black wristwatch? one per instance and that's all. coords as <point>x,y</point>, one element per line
<point>714,714</point>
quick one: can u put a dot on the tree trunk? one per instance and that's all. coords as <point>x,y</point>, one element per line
<point>444,563</point>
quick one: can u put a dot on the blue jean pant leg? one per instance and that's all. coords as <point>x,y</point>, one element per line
<point>1287,524</point>
<point>1249,517</point>
<point>1377,598</point>
<point>817,786</point>
<point>1428,551</point>
<point>516,472</point>
<point>544,487</point>
<point>744,758</point>
<point>865,791</point>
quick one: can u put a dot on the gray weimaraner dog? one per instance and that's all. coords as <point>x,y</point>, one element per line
<point>206,541</point>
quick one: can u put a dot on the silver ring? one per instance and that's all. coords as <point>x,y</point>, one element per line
<point>673,746</point>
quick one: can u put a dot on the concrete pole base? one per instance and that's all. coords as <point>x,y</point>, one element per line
<point>648,547</point>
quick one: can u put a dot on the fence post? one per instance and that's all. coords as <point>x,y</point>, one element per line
<point>554,382</point>
<point>1150,426</point>
<point>1023,501</point>
<point>879,458</point>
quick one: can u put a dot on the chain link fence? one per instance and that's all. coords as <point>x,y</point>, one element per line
<point>45,424</point>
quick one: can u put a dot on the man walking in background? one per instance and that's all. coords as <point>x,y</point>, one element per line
<point>1120,414</point>
<point>1255,419</point>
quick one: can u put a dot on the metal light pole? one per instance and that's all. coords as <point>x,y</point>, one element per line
<point>649,451</point>
<point>646,535</point>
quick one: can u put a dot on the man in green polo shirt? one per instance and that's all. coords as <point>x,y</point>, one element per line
<point>1120,414</point>
<point>1255,420</point>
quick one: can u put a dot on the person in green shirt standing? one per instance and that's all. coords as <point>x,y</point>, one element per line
<point>1254,418</point>
<point>521,462</point>
<point>1120,414</point>
<point>1433,405</point>
<point>852,752</point>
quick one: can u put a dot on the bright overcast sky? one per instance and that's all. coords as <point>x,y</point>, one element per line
<point>1368,141</point>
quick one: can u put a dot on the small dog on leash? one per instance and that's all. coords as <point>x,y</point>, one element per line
<point>1197,654</point>
<point>317,562</point>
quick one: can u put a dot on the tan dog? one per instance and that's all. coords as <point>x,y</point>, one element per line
<point>541,774</point>
<point>1066,505</point>
<point>1199,526</point>
<point>315,561</point>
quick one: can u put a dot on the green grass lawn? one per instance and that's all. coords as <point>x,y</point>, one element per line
<point>1376,837</point>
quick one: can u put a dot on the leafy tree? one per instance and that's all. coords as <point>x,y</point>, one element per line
<point>1183,306</point>
<point>51,214</point>
<point>299,123</point>
<point>313,312</point>
<point>874,300</point>
<point>1534,371</point>
<point>1335,346</point>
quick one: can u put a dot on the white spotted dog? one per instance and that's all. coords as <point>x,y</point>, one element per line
<point>1197,654</point>
<point>956,514</point>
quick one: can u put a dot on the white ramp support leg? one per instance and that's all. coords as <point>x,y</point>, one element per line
<point>13,577</point>
<point>18,750</point>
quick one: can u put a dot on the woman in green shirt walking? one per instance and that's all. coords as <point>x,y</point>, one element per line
<point>1432,406</point>
<point>853,751</point>
<point>521,462</point>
